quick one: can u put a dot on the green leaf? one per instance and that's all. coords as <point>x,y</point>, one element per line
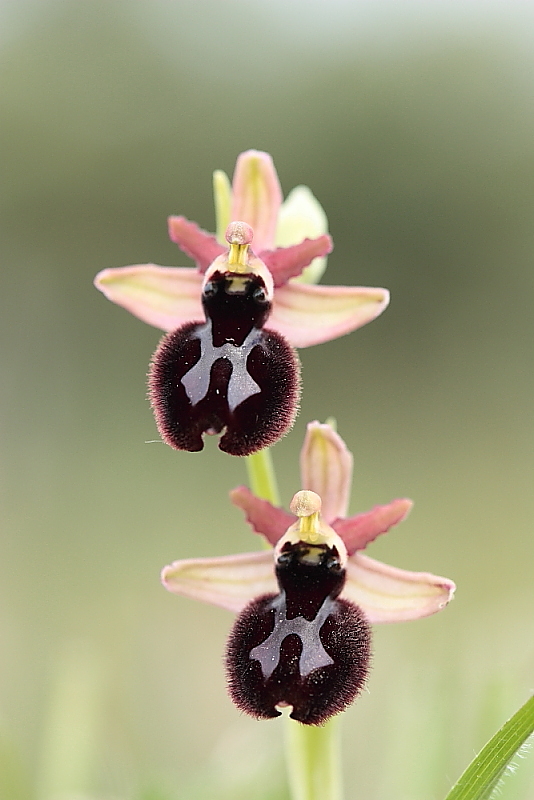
<point>483,774</point>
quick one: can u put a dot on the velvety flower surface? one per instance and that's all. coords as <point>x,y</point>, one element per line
<point>227,374</point>
<point>304,314</point>
<point>304,646</point>
<point>302,634</point>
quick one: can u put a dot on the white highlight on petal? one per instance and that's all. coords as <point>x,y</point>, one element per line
<point>196,381</point>
<point>313,654</point>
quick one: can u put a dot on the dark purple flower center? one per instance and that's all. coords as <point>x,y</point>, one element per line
<point>236,303</point>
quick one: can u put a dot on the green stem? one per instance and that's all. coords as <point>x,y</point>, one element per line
<point>261,476</point>
<point>313,754</point>
<point>314,761</point>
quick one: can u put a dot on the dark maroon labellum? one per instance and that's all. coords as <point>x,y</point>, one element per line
<point>226,373</point>
<point>304,647</point>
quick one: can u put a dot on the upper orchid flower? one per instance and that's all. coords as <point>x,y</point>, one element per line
<point>261,285</point>
<point>168,297</point>
<point>320,575</point>
<point>227,372</point>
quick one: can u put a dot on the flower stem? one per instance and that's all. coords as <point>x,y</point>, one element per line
<point>261,476</point>
<point>313,754</point>
<point>313,757</point>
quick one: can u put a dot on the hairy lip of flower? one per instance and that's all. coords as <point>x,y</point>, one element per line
<point>303,646</point>
<point>227,373</point>
<point>317,667</point>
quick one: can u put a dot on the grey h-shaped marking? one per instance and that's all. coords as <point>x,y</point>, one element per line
<point>313,654</point>
<point>196,381</point>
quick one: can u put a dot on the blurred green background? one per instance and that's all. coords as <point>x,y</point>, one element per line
<point>413,123</point>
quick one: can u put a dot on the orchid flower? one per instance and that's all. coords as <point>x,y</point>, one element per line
<point>278,310</point>
<point>317,576</point>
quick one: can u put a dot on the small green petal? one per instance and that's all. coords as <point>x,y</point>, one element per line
<point>302,217</point>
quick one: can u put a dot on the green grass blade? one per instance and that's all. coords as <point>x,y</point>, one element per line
<point>483,774</point>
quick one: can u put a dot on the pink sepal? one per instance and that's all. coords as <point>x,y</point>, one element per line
<point>359,531</point>
<point>388,594</point>
<point>267,520</point>
<point>228,581</point>
<point>288,262</point>
<point>165,297</point>
<point>384,593</point>
<point>196,243</point>
<point>326,469</point>
<point>307,314</point>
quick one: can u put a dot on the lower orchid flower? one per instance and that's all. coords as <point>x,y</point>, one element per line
<point>302,635</point>
<point>227,361</point>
